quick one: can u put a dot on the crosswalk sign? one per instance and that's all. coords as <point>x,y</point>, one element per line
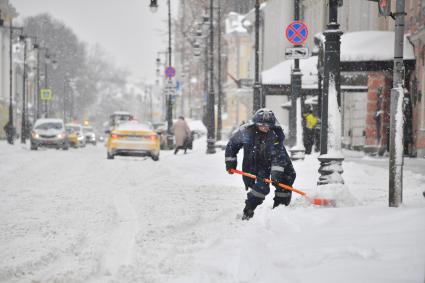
<point>46,94</point>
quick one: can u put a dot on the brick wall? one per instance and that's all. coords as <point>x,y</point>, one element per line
<point>379,87</point>
<point>415,27</point>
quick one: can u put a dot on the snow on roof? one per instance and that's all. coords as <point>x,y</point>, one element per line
<point>121,113</point>
<point>281,73</point>
<point>134,126</point>
<point>251,13</point>
<point>372,46</point>
<point>47,120</point>
<point>234,23</point>
<point>355,47</point>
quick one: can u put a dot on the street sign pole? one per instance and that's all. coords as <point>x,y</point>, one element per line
<point>296,33</point>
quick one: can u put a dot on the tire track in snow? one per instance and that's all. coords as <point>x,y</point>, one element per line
<point>120,252</point>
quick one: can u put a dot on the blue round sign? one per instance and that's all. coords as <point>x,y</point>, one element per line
<point>170,72</point>
<point>296,32</point>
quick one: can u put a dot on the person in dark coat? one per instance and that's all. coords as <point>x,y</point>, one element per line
<point>264,156</point>
<point>10,131</point>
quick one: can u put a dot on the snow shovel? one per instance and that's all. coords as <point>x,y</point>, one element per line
<point>315,201</point>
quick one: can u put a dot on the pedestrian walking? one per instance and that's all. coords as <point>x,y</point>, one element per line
<point>181,133</point>
<point>10,131</point>
<point>309,130</point>
<point>264,155</point>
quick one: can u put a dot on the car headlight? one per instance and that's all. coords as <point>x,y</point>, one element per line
<point>35,135</point>
<point>80,138</point>
<point>59,136</point>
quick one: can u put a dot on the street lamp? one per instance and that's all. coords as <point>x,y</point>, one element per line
<point>53,63</point>
<point>153,6</point>
<point>211,95</point>
<point>330,139</point>
<point>24,117</point>
<point>220,85</point>
<point>11,28</point>
<point>257,85</point>
<point>23,39</point>
<point>169,114</point>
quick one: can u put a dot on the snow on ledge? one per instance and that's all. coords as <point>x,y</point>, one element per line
<point>372,46</point>
<point>355,47</point>
<point>281,73</point>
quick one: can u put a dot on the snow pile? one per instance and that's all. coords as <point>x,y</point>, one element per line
<point>74,216</point>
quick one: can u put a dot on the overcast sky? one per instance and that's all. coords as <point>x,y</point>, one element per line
<point>126,29</point>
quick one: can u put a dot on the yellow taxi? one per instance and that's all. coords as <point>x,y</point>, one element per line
<point>75,138</point>
<point>133,138</point>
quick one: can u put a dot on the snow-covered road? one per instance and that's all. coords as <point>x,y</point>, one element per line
<point>74,216</point>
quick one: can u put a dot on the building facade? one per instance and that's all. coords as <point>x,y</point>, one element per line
<point>415,28</point>
<point>7,13</point>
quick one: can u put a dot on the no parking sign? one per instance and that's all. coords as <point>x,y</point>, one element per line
<point>170,72</point>
<point>296,32</point>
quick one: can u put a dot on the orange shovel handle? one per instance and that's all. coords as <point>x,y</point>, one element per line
<point>267,181</point>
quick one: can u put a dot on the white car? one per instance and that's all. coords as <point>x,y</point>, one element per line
<point>49,133</point>
<point>90,135</point>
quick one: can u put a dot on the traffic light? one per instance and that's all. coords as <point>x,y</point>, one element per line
<point>384,7</point>
<point>153,6</point>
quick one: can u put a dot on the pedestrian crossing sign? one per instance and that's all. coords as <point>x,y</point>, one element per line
<point>46,94</point>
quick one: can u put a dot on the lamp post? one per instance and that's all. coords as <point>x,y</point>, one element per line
<point>169,111</point>
<point>24,117</point>
<point>24,106</point>
<point>296,130</point>
<point>330,141</point>
<point>257,85</point>
<point>11,28</point>
<point>47,61</point>
<point>211,95</point>
<point>220,85</point>
<point>396,122</point>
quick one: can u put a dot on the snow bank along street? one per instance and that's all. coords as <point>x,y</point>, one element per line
<point>74,216</point>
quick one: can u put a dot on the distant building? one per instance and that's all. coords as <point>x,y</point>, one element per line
<point>238,96</point>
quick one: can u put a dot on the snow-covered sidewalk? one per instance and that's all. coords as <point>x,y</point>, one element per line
<point>73,216</point>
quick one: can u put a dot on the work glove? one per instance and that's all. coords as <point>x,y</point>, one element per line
<point>284,200</point>
<point>231,165</point>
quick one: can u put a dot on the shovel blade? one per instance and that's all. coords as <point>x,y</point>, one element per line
<point>323,202</point>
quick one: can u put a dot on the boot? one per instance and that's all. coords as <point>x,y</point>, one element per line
<point>248,211</point>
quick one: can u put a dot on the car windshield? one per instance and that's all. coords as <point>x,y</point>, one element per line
<point>72,129</point>
<point>88,130</point>
<point>49,125</point>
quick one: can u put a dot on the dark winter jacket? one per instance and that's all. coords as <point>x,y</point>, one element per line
<point>264,154</point>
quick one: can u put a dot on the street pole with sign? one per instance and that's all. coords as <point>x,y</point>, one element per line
<point>296,33</point>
